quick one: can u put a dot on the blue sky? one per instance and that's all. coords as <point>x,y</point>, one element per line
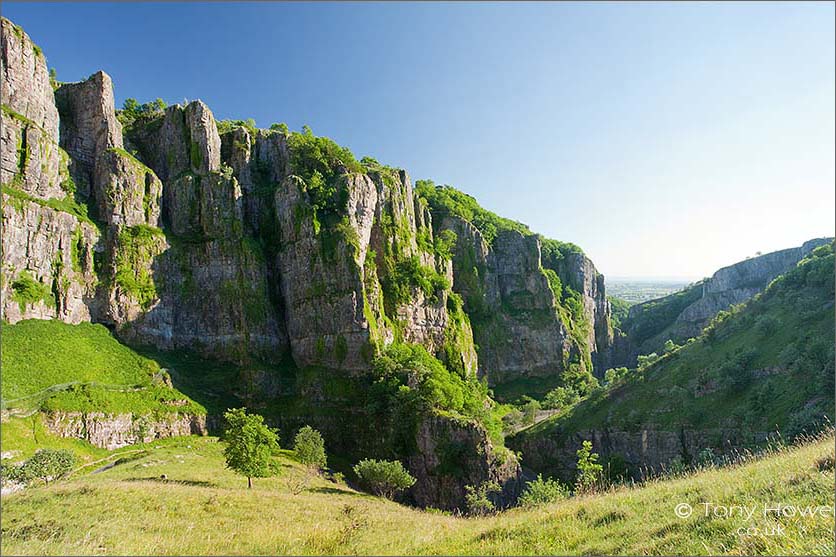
<point>664,139</point>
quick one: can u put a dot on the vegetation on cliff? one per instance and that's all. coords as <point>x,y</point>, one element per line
<point>762,366</point>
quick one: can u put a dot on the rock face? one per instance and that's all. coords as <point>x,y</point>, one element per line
<point>443,446</point>
<point>516,320</point>
<point>119,430</point>
<point>245,247</point>
<point>685,314</point>
<point>48,254</point>
<point>30,157</point>
<point>638,453</point>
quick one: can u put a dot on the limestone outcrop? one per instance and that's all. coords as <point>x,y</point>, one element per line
<point>685,314</point>
<point>114,431</point>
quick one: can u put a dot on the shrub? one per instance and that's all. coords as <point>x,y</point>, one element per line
<point>249,445</point>
<point>133,111</point>
<point>383,477</point>
<point>478,499</point>
<point>310,448</point>
<point>613,375</point>
<point>48,464</point>
<point>529,410</point>
<point>28,291</point>
<point>589,471</point>
<point>543,492</point>
<point>560,397</point>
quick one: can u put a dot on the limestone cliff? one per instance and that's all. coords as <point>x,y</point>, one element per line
<point>685,314</point>
<point>246,246</point>
<point>538,306</point>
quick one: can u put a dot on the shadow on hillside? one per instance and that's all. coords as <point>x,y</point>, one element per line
<point>332,491</point>
<point>193,483</point>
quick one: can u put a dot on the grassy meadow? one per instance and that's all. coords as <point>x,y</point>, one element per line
<point>176,497</point>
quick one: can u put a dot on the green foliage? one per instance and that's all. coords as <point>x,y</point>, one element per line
<point>280,127</point>
<point>589,471</point>
<point>444,243</point>
<point>47,465</point>
<point>27,291</point>
<point>383,477</point>
<point>614,375</point>
<point>409,375</point>
<point>138,245</point>
<point>405,276</point>
<point>560,397</point>
<point>554,284</point>
<point>250,445</point>
<point>310,448</point>
<point>450,201</point>
<point>67,204</point>
<point>731,375</point>
<point>543,492</point>
<point>553,252</point>
<point>620,310</point>
<point>132,111</point>
<point>651,319</point>
<point>529,410</point>
<point>226,126</point>
<point>477,498</point>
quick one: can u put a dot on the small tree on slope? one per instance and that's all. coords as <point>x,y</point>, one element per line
<point>588,469</point>
<point>310,448</point>
<point>249,445</point>
<point>384,477</point>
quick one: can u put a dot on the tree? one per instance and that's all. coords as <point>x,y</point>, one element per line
<point>48,464</point>
<point>249,445</point>
<point>529,410</point>
<point>613,375</point>
<point>384,477</point>
<point>478,500</point>
<point>310,448</point>
<point>560,397</point>
<point>588,468</point>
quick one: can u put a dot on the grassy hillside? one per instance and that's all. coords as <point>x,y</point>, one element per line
<point>764,366</point>
<point>649,323</point>
<point>200,507</point>
<point>51,365</point>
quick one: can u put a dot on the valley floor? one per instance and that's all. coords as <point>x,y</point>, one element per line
<point>176,497</point>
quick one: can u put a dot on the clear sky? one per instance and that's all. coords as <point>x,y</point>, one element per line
<point>664,139</point>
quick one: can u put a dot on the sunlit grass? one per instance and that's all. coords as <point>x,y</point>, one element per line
<point>178,498</point>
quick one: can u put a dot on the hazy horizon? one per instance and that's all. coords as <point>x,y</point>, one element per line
<point>666,140</point>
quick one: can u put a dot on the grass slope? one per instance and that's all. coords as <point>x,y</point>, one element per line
<point>52,365</point>
<point>200,507</point>
<point>766,366</point>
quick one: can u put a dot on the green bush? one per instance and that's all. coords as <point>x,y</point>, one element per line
<point>133,111</point>
<point>477,498</point>
<point>47,465</point>
<point>543,492</point>
<point>383,477</point>
<point>310,448</point>
<point>27,291</point>
<point>409,376</point>
<point>589,471</point>
<point>560,397</point>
